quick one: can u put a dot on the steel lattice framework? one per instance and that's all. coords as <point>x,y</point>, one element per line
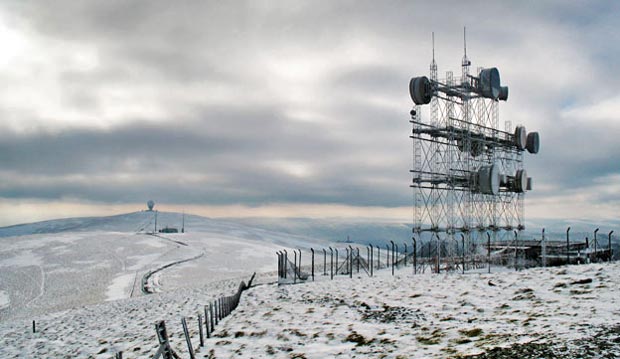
<point>467,173</point>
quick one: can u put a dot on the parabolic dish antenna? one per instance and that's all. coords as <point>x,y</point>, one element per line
<point>521,181</point>
<point>420,90</point>
<point>150,204</point>
<point>520,137</point>
<point>490,84</point>
<point>533,142</point>
<point>489,179</point>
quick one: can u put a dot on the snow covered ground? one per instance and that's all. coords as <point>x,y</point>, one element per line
<point>428,316</point>
<point>83,290</point>
<point>556,312</point>
<point>89,264</point>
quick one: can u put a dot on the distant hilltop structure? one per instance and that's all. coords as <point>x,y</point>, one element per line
<point>169,230</point>
<point>150,204</point>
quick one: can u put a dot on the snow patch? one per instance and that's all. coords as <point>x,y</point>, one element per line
<point>142,261</point>
<point>120,287</point>
<point>5,301</point>
<point>23,259</point>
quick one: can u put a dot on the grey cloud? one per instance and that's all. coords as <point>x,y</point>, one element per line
<point>360,151</point>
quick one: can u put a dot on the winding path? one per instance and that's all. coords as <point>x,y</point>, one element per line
<point>145,279</point>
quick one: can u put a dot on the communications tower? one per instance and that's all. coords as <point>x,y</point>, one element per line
<point>467,172</point>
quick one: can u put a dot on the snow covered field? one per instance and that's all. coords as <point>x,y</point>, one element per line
<point>89,264</point>
<point>429,315</point>
<point>559,312</point>
<point>83,290</point>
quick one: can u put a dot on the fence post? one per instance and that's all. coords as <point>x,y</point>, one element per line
<point>324,262</point>
<point>392,256</point>
<point>489,250</point>
<point>370,263</point>
<point>279,264</point>
<point>415,255</point>
<point>202,339</point>
<point>207,326</point>
<point>357,251</point>
<point>162,337</point>
<point>396,255</point>
<point>348,262</point>
<point>299,266</point>
<point>405,254</point>
<point>312,250</point>
<point>331,263</point>
<point>336,249</point>
<point>188,339</point>
<point>285,263</point>
<point>438,253</point>
<point>211,316</point>
<point>378,257</point>
<point>282,265</point>
<point>567,247</point>
<point>295,267</point>
<point>216,311</point>
<point>463,254</point>
<point>596,245</point>
<point>609,244</point>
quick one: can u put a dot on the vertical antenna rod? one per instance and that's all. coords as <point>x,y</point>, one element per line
<point>466,61</point>
<point>464,41</point>
<point>433,35</point>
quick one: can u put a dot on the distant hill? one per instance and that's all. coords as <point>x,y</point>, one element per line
<point>143,221</point>
<point>363,231</point>
<point>130,222</point>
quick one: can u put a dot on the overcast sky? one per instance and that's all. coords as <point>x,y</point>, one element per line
<point>287,108</point>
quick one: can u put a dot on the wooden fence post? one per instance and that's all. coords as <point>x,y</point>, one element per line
<point>216,314</point>
<point>188,339</point>
<point>207,326</point>
<point>202,339</point>
<point>164,344</point>
<point>211,315</point>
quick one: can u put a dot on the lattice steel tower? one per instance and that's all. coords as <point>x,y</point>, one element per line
<point>467,173</point>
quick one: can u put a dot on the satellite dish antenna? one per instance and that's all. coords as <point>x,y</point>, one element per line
<point>489,84</point>
<point>489,179</point>
<point>520,137</point>
<point>150,204</point>
<point>520,181</point>
<point>532,142</point>
<point>420,90</point>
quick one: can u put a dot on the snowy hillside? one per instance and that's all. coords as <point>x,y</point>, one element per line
<point>104,259</point>
<point>83,287</point>
<point>566,312</point>
<point>143,221</point>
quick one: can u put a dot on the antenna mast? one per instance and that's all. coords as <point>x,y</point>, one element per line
<point>433,62</point>
<point>467,176</point>
<point>466,61</point>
